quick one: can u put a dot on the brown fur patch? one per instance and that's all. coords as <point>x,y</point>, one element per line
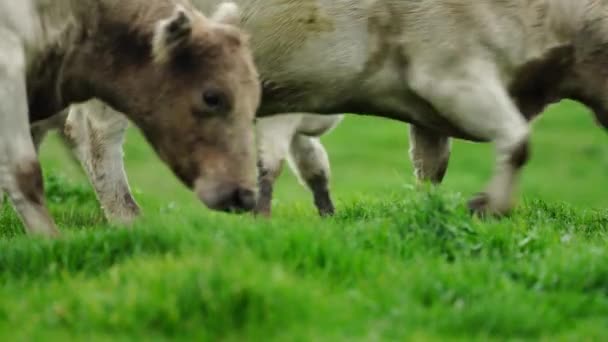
<point>44,99</point>
<point>320,189</point>
<point>520,155</point>
<point>539,82</point>
<point>384,26</point>
<point>129,202</point>
<point>266,179</point>
<point>29,181</point>
<point>441,171</point>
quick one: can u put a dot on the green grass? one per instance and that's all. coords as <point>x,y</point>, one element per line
<point>395,262</point>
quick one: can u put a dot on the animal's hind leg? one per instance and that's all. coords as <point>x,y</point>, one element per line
<point>20,173</point>
<point>95,133</point>
<point>429,153</point>
<point>473,98</point>
<point>40,129</point>
<point>310,162</point>
<point>274,136</point>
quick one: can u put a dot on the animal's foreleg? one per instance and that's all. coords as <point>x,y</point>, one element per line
<point>473,97</point>
<point>20,173</point>
<point>96,133</point>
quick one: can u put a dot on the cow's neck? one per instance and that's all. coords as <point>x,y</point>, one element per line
<point>54,20</point>
<point>63,25</point>
<point>83,61</point>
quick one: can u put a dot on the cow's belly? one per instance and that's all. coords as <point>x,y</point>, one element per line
<point>388,98</point>
<point>387,94</point>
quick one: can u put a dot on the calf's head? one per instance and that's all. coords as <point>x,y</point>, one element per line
<point>190,84</point>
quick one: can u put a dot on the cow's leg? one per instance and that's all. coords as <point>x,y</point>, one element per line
<point>40,129</point>
<point>274,135</point>
<point>476,101</point>
<point>429,153</point>
<point>20,173</point>
<point>39,132</point>
<point>310,162</point>
<point>96,134</point>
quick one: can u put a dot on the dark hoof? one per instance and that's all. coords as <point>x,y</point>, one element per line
<point>482,206</point>
<point>327,211</point>
<point>324,204</point>
<point>262,211</point>
<point>479,204</point>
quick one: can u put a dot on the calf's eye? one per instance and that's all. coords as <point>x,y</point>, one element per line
<point>214,100</point>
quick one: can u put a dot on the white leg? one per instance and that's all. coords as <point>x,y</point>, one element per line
<point>96,134</point>
<point>274,136</point>
<point>474,99</point>
<point>20,174</point>
<point>309,160</point>
<point>429,153</point>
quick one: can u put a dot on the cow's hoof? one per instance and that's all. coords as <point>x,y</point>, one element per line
<point>262,212</point>
<point>483,205</point>
<point>324,204</point>
<point>327,211</point>
<point>480,204</point>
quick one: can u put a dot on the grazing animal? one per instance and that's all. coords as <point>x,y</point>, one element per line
<point>475,70</point>
<point>186,80</point>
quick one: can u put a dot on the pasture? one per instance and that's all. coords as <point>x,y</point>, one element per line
<point>395,263</point>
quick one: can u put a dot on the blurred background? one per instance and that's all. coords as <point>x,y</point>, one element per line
<point>369,157</point>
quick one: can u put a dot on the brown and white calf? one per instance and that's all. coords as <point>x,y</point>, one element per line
<point>475,70</point>
<point>187,81</point>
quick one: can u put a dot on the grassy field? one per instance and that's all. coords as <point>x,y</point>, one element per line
<point>395,263</point>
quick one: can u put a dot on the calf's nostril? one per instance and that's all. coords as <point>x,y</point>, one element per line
<point>245,199</point>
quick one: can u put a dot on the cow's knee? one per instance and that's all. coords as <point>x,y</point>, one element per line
<point>28,179</point>
<point>25,189</point>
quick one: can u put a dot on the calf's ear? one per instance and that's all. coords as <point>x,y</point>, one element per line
<point>171,34</point>
<point>227,13</point>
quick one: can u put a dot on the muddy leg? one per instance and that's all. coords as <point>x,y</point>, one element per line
<point>274,135</point>
<point>473,98</point>
<point>268,174</point>
<point>309,160</point>
<point>20,174</point>
<point>429,153</point>
<point>96,134</point>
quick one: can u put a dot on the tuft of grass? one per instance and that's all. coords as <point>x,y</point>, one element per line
<point>413,265</point>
